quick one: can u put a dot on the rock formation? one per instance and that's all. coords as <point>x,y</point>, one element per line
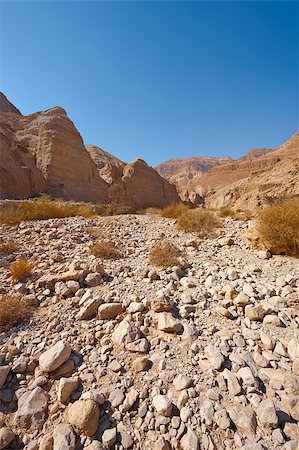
<point>48,152</point>
<point>182,171</point>
<point>278,177</point>
<point>44,153</point>
<point>6,106</point>
<point>109,167</point>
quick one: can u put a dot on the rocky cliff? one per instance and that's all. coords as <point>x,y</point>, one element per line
<point>6,106</point>
<point>49,152</point>
<point>45,153</point>
<point>182,171</point>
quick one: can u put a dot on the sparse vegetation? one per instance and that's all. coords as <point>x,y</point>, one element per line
<point>6,248</point>
<point>14,212</point>
<point>200,221</point>
<point>278,226</point>
<point>243,214</point>
<point>165,254</point>
<point>226,212</point>
<point>105,249</point>
<point>174,211</point>
<point>153,211</point>
<point>13,310</point>
<point>20,269</point>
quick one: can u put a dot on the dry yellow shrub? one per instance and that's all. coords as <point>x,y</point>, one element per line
<point>200,221</point>
<point>13,310</point>
<point>8,247</point>
<point>20,269</point>
<point>278,226</point>
<point>165,254</point>
<point>174,211</point>
<point>105,249</point>
<point>14,212</point>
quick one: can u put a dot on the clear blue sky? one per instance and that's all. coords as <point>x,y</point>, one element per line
<point>157,79</point>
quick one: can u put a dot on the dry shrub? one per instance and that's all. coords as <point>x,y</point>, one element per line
<point>165,254</point>
<point>20,269</point>
<point>226,212</point>
<point>278,226</point>
<point>245,214</point>
<point>174,211</point>
<point>153,211</point>
<point>13,212</point>
<point>200,221</point>
<point>13,310</point>
<point>95,232</point>
<point>105,249</point>
<point>6,248</point>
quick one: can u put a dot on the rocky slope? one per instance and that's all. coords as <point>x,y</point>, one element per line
<point>6,106</point>
<point>120,354</point>
<point>279,177</point>
<point>182,171</point>
<point>44,153</point>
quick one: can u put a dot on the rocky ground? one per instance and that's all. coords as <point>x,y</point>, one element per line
<point>120,354</point>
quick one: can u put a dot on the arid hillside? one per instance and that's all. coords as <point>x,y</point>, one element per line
<point>277,176</point>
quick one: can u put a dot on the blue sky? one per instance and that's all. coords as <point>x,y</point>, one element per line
<point>157,80</point>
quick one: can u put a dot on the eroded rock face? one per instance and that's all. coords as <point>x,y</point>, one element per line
<point>273,175</point>
<point>145,187</point>
<point>109,167</point>
<point>44,153</point>
<point>48,151</point>
<point>6,106</point>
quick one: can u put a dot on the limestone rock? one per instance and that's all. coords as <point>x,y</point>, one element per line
<point>31,412</point>
<point>162,405</point>
<point>84,416</point>
<point>55,356</point>
<point>110,310</point>
<point>168,323</point>
<point>6,437</point>
<point>244,420</point>
<point>127,335</point>
<point>190,441</point>
<point>66,388</point>
<point>63,437</point>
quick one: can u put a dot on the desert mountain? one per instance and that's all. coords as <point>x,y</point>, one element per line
<point>181,171</point>
<point>45,153</point>
<point>274,176</point>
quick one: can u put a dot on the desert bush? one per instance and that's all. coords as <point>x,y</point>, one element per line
<point>200,221</point>
<point>14,212</point>
<point>153,211</point>
<point>13,310</point>
<point>6,248</point>
<point>226,212</point>
<point>243,214</point>
<point>105,249</point>
<point>20,269</point>
<point>174,211</point>
<point>278,226</point>
<point>165,254</point>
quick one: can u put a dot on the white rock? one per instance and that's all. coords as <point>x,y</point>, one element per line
<point>55,356</point>
<point>162,405</point>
